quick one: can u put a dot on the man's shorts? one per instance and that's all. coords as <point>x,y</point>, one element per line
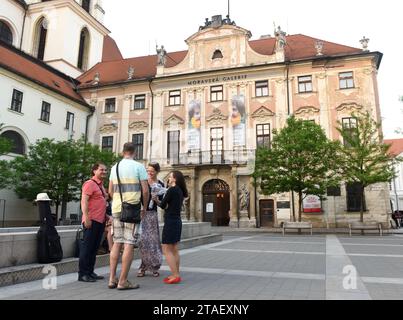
<point>123,233</point>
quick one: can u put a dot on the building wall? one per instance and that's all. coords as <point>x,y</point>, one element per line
<point>28,125</point>
<point>326,105</point>
<point>396,188</point>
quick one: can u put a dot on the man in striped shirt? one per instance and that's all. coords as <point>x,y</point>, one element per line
<point>134,187</point>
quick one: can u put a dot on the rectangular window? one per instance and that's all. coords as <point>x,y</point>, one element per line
<point>110,105</point>
<point>262,88</point>
<point>217,145</point>
<point>175,98</point>
<point>173,147</point>
<point>70,121</point>
<point>138,141</point>
<point>107,143</point>
<point>305,84</point>
<point>346,80</point>
<point>216,93</point>
<point>349,126</point>
<point>354,197</point>
<point>16,102</point>
<point>139,102</point>
<point>45,113</point>
<point>263,135</point>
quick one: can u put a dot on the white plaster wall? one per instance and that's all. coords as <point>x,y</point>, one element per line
<point>13,14</point>
<point>32,129</point>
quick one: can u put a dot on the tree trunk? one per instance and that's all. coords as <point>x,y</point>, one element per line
<point>64,210</point>
<point>57,213</point>
<point>362,203</point>
<point>299,210</point>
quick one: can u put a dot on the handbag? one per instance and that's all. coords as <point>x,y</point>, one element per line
<point>131,213</point>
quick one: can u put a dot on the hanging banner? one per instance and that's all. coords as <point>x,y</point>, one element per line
<point>312,204</point>
<point>238,120</point>
<point>194,129</point>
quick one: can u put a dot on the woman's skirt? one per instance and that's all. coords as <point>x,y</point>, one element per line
<point>172,231</point>
<point>150,245</point>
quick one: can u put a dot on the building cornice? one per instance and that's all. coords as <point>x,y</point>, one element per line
<point>250,68</point>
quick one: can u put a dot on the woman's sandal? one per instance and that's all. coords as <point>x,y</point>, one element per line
<point>128,286</point>
<point>141,274</point>
<point>113,285</point>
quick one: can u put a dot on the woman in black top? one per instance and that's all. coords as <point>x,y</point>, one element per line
<point>171,234</point>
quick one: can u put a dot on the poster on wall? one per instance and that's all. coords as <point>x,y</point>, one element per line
<point>194,129</point>
<point>312,204</point>
<point>238,120</point>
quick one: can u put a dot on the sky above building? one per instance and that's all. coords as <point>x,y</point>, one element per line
<point>137,26</point>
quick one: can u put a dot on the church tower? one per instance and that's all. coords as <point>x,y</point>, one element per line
<point>66,34</point>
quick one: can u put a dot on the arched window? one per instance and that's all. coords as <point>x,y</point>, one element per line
<point>40,38</point>
<point>217,55</point>
<point>5,33</point>
<point>83,50</point>
<point>18,143</point>
<point>86,4</point>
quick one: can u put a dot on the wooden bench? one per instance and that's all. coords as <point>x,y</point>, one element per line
<point>297,226</point>
<point>365,226</point>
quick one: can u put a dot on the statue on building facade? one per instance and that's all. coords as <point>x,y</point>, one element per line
<point>244,199</point>
<point>162,56</point>
<point>281,38</point>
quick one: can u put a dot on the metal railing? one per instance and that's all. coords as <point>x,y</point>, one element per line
<point>219,157</point>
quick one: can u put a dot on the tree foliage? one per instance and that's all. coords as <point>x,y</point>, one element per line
<point>301,159</point>
<point>5,148</point>
<point>365,158</point>
<point>57,168</point>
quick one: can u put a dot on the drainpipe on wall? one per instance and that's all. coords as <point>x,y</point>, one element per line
<point>237,199</point>
<point>152,117</point>
<point>23,26</point>
<point>87,124</point>
<point>289,114</point>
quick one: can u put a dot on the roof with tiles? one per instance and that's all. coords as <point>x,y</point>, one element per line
<point>32,69</point>
<point>396,148</point>
<point>299,47</point>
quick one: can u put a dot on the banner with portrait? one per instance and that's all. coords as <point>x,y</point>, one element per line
<point>238,120</point>
<point>194,128</point>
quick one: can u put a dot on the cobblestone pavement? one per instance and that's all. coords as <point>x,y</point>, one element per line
<point>258,266</point>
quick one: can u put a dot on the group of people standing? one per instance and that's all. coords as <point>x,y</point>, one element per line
<point>132,183</point>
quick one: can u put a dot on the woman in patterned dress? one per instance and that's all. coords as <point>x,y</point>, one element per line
<point>150,245</point>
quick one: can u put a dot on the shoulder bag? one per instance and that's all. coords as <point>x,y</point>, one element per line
<point>131,213</point>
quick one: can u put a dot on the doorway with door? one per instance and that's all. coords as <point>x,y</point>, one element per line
<point>267,218</point>
<point>216,203</point>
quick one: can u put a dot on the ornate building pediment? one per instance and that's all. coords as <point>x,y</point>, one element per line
<point>307,111</point>
<point>349,107</point>
<point>138,125</point>
<point>174,120</point>
<point>217,117</point>
<point>263,112</point>
<point>108,128</point>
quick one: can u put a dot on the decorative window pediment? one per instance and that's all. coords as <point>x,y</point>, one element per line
<point>174,120</point>
<point>263,112</point>
<point>108,128</point>
<point>349,107</point>
<point>305,111</point>
<point>138,125</point>
<point>217,117</point>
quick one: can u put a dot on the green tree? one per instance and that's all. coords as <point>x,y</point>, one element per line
<point>365,158</point>
<point>57,168</point>
<point>5,147</point>
<point>301,159</point>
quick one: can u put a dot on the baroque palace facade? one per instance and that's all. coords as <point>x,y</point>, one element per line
<point>205,110</point>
